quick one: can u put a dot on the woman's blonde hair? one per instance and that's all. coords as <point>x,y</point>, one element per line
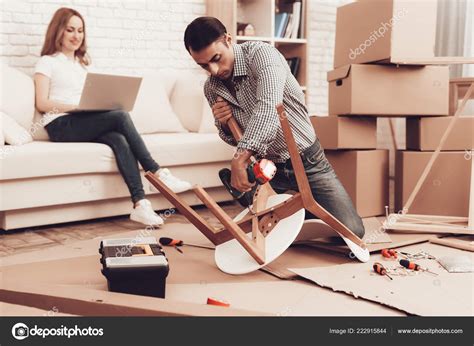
<point>55,32</point>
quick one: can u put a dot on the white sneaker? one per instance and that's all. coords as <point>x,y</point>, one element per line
<point>145,214</point>
<point>175,184</point>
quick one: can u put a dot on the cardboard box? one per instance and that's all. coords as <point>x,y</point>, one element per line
<point>389,90</point>
<point>425,133</point>
<point>345,133</point>
<point>457,90</point>
<point>364,174</point>
<point>395,31</point>
<point>446,188</point>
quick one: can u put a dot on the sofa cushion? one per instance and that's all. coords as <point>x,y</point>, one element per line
<point>152,112</point>
<point>2,138</point>
<point>168,79</point>
<point>38,159</point>
<point>187,98</point>
<point>13,133</point>
<point>207,122</point>
<point>17,96</point>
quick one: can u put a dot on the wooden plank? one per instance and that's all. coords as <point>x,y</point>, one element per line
<point>254,251</point>
<point>19,310</point>
<point>427,221</point>
<point>454,243</point>
<point>431,218</point>
<point>91,302</point>
<point>303,185</point>
<point>435,155</point>
<point>420,228</point>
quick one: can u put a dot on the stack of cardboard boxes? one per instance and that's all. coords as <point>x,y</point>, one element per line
<point>371,78</point>
<point>446,190</point>
<point>350,146</point>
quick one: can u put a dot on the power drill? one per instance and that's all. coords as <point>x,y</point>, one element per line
<point>260,172</point>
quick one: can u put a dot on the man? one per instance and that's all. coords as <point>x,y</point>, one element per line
<point>247,81</point>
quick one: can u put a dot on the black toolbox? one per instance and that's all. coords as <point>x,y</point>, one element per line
<point>134,265</point>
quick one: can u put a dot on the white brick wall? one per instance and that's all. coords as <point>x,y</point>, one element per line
<point>133,36</point>
<point>129,36</point>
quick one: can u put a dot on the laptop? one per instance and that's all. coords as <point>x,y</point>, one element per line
<point>104,92</point>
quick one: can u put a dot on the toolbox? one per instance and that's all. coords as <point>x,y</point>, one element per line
<point>135,266</point>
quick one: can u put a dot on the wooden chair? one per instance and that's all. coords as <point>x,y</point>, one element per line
<point>273,223</point>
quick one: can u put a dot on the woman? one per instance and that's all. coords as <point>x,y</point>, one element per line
<point>59,79</point>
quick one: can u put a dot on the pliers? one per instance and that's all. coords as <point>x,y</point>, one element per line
<point>389,253</point>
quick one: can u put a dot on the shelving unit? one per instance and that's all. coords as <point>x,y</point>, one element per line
<point>261,14</point>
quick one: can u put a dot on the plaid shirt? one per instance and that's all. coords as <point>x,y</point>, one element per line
<point>262,79</point>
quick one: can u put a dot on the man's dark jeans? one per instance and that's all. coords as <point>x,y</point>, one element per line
<point>115,129</point>
<point>326,188</point>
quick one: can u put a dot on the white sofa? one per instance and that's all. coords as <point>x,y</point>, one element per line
<point>43,183</point>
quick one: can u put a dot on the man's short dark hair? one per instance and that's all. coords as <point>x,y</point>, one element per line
<point>203,31</point>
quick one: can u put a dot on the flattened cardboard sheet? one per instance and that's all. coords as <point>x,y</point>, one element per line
<point>421,294</point>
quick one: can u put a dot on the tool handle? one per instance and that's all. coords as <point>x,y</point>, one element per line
<point>170,242</point>
<point>379,269</point>
<point>234,128</point>
<point>409,265</point>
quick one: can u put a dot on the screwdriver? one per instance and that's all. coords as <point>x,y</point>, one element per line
<point>165,241</point>
<point>413,266</point>
<point>380,269</point>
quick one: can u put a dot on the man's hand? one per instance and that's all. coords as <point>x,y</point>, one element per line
<point>239,178</point>
<point>221,110</point>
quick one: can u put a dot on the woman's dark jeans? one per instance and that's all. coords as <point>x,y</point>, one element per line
<point>326,188</point>
<point>115,129</point>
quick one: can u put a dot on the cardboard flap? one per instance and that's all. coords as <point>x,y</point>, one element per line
<point>339,73</point>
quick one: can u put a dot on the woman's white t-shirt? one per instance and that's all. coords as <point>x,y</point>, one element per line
<point>67,79</point>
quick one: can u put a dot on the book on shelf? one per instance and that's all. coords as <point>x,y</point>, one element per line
<point>281,22</point>
<point>287,25</point>
<point>296,15</point>
<point>294,64</point>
